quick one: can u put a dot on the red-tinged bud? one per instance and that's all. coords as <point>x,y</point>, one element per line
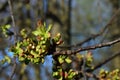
<point>40,51</point>
<point>61,73</point>
<point>30,45</point>
<point>39,23</point>
<point>58,35</point>
<point>59,42</point>
<point>49,34</point>
<point>64,74</point>
<point>28,39</point>
<point>38,38</point>
<point>22,54</point>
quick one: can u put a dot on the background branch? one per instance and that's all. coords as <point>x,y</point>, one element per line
<point>13,69</point>
<point>106,60</point>
<point>95,35</point>
<point>70,52</point>
<point>13,21</point>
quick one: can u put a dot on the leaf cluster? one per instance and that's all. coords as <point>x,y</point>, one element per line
<point>106,75</point>
<point>34,49</point>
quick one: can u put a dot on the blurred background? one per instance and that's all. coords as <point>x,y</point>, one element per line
<point>76,20</point>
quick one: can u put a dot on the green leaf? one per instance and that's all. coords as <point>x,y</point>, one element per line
<point>55,73</point>
<point>71,74</point>
<point>42,60</point>
<point>7,26</point>
<point>60,59</point>
<point>49,28</point>
<point>68,60</point>
<point>19,51</point>
<point>8,59</point>
<point>5,29</point>
<point>36,33</point>
<point>23,33</point>
<point>21,58</point>
<point>60,78</point>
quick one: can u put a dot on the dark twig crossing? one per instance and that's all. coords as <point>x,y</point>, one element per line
<point>13,21</point>
<point>70,52</point>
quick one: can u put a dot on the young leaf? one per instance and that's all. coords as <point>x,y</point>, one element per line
<point>68,60</point>
<point>49,28</point>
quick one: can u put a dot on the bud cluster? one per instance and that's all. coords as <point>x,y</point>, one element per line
<point>34,49</point>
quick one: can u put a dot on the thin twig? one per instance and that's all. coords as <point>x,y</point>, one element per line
<point>98,45</point>
<point>4,67</point>
<point>11,13</point>
<point>107,60</point>
<point>83,68</point>
<point>13,21</point>
<point>95,35</point>
<point>13,69</point>
<point>70,52</point>
<point>90,75</point>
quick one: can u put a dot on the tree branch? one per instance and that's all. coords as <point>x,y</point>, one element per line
<point>107,60</point>
<point>96,35</point>
<point>11,13</point>
<point>13,69</point>
<point>4,67</point>
<point>91,75</point>
<point>70,52</point>
<point>13,21</point>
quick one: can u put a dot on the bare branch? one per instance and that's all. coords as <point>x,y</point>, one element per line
<point>96,35</point>
<point>13,21</point>
<point>4,67</point>
<point>70,52</point>
<point>107,60</point>
<point>13,69</point>
<point>11,13</point>
<point>90,75</point>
